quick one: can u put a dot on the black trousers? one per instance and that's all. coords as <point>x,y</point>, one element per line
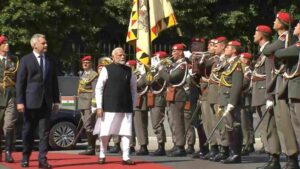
<point>34,118</point>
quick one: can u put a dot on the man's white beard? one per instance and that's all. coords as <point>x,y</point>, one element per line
<point>122,62</point>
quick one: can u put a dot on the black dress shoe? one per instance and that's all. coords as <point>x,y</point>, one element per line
<point>232,159</point>
<point>128,162</point>
<point>101,161</point>
<point>44,164</point>
<point>25,164</point>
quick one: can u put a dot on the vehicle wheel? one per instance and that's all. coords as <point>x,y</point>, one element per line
<point>62,136</point>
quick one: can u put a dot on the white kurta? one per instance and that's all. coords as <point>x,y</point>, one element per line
<point>113,123</point>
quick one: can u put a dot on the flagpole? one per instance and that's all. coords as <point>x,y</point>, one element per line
<point>149,31</point>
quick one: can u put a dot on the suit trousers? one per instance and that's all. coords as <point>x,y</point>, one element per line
<point>294,107</point>
<point>141,126</point>
<point>34,118</point>
<point>285,129</point>
<point>157,115</point>
<point>177,122</point>
<point>88,119</point>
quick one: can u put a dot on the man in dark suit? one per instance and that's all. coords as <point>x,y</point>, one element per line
<point>37,97</point>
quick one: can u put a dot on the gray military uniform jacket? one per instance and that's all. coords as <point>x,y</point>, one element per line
<point>176,78</point>
<point>86,89</point>
<point>8,72</point>
<point>158,88</point>
<point>142,89</point>
<point>291,55</point>
<point>259,77</point>
<point>231,83</point>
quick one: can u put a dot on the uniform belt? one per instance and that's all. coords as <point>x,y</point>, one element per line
<point>256,78</point>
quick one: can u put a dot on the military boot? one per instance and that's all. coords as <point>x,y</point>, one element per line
<point>214,150</point>
<point>178,152</point>
<point>190,149</point>
<point>292,162</point>
<point>91,145</point>
<point>160,151</point>
<point>222,155</point>
<point>232,159</point>
<point>9,146</point>
<point>202,152</point>
<point>143,151</point>
<point>273,163</point>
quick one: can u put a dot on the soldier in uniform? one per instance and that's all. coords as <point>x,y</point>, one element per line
<point>8,112</point>
<point>231,82</point>
<point>156,102</point>
<point>86,86</point>
<point>262,69</point>
<point>291,55</point>
<point>246,111</point>
<point>141,111</point>
<point>195,98</point>
<point>176,97</point>
<point>218,64</point>
<point>283,121</point>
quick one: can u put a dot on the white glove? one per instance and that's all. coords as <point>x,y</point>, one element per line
<point>269,104</point>
<point>159,66</point>
<point>141,68</point>
<point>93,109</point>
<point>229,108</point>
<point>154,61</point>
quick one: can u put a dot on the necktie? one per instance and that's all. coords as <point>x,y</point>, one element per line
<point>42,65</point>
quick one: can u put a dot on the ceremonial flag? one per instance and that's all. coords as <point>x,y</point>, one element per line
<point>140,32</point>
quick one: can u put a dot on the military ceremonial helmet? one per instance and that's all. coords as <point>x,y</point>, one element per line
<point>104,61</point>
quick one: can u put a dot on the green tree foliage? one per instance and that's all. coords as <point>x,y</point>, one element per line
<point>81,26</point>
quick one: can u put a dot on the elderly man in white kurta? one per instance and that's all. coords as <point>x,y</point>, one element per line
<point>115,95</point>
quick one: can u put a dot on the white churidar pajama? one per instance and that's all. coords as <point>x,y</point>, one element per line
<point>113,123</point>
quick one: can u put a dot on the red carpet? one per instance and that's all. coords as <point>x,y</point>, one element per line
<point>73,161</point>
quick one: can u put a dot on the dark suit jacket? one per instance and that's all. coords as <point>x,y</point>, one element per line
<point>31,88</point>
